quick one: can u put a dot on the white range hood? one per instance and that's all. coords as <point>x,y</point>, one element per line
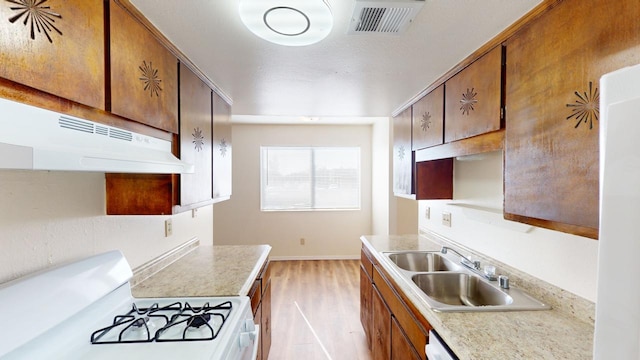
<point>37,139</point>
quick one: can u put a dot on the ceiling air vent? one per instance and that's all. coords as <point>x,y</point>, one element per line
<point>387,17</point>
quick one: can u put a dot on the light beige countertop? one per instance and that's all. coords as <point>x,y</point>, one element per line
<point>564,332</point>
<point>202,271</point>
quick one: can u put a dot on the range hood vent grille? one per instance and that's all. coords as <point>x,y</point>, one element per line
<point>387,17</point>
<point>66,122</point>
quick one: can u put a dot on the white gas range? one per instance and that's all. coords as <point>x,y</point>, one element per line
<point>85,310</point>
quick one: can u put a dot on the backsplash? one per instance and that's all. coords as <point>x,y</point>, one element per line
<point>51,217</point>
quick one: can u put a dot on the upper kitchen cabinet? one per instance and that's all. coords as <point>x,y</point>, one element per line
<point>55,46</point>
<point>144,74</point>
<point>428,119</point>
<point>222,167</point>
<point>402,155</point>
<point>552,102</point>
<point>151,194</point>
<point>473,98</point>
<point>195,138</point>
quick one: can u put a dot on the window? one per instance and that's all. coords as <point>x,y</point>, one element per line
<point>310,178</point>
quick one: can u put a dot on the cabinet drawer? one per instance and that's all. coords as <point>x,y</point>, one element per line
<point>255,294</point>
<point>366,262</point>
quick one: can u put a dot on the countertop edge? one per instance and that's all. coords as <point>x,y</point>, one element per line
<point>262,260</point>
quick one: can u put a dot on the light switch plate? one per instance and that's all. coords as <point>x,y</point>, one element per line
<point>168,228</point>
<point>446,219</point>
<point>427,213</point>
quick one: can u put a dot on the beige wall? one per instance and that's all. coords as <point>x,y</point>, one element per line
<point>406,216</point>
<point>327,234</point>
<point>381,197</point>
<point>567,261</point>
<point>47,218</point>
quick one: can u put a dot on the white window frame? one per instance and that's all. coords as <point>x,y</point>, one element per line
<point>263,179</point>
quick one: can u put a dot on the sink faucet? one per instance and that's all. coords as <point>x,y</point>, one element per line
<point>471,265</point>
<point>463,259</point>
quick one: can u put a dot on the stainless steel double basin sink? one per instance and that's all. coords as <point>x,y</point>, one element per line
<point>447,285</point>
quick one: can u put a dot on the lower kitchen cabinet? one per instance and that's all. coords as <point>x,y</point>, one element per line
<point>381,344</point>
<point>366,295</point>
<point>400,343</point>
<point>397,329</point>
<point>260,295</point>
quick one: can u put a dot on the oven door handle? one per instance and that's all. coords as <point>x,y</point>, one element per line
<point>248,338</point>
<point>256,342</point>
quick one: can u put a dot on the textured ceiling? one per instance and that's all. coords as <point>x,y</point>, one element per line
<point>343,76</point>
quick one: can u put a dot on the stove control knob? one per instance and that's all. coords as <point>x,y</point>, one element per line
<point>249,325</point>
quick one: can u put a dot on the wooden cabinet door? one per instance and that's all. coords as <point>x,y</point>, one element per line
<point>265,325</point>
<point>366,306</point>
<point>474,98</point>
<point>257,318</point>
<point>195,138</point>
<point>144,74</point>
<point>428,120</point>
<point>401,348</point>
<point>552,96</point>
<point>55,46</point>
<point>381,344</point>
<point>222,154</point>
<point>402,154</point>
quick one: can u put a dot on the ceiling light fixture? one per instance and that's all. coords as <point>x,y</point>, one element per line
<point>288,22</point>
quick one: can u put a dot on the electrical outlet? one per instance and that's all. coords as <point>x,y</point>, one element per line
<point>446,219</point>
<point>194,213</point>
<point>427,213</point>
<point>301,241</point>
<point>168,228</point>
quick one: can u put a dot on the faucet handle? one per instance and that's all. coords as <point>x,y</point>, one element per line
<point>503,280</point>
<point>490,270</point>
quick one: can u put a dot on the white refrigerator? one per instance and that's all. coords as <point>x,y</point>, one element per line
<point>617,330</point>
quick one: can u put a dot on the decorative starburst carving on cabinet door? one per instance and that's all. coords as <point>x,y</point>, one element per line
<point>37,16</point>
<point>198,139</point>
<point>425,123</point>
<point>586,108</point>
<point>150,78</point>
<point>223,147</point>
<point>468,101</point>
<point>401,152</point>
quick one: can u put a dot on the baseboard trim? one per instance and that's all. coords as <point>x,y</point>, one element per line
<point>315,257</point>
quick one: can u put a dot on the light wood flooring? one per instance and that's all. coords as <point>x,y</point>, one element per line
<point>316,311</point>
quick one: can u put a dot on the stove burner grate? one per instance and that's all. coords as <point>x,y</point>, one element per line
<point>173,322</point>
<point>195,323</point>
